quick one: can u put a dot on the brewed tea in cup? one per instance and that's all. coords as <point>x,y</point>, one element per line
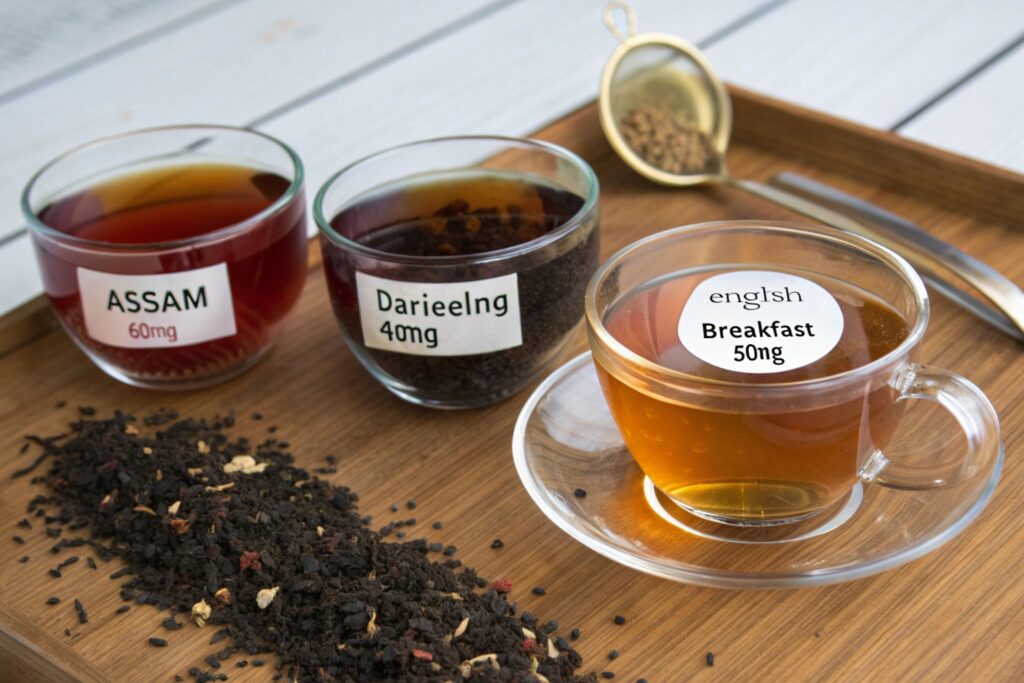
<point>172,255</point>
<point>756,372</point>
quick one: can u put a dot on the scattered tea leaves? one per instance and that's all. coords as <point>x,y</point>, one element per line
<point>201,612</point>
<point>67,562</point>
<point>266,596</point>
<point>83,616</point>
<point>244,464</point>
<point>284,561</point>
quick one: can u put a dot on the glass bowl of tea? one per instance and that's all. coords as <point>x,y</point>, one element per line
<point>457,266</point>
<point>171,255</point>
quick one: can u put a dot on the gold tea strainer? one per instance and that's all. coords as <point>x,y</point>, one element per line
<point>667,114</point>
<point>667,79</point>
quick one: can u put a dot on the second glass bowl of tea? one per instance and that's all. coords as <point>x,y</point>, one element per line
<point>457,266</point>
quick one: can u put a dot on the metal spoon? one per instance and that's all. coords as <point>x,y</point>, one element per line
<point>663,76</point>
<point>995,287</point>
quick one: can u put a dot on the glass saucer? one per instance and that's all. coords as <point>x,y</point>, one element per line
<point>565,440</point>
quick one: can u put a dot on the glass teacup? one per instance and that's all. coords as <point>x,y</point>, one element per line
<point>756,371</point>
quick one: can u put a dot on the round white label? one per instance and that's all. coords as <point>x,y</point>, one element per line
<point>760,321</point>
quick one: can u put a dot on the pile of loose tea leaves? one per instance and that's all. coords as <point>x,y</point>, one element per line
<point>664,139</point>
<point>232,536</point>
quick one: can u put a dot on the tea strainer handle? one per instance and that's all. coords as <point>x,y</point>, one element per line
<point>608,16</point>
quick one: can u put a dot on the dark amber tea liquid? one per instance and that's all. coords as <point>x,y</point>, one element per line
<point>266,262</point>
<point>750,465</point>
<point>471,214</point>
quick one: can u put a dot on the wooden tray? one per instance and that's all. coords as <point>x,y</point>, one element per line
<point>956,614</point>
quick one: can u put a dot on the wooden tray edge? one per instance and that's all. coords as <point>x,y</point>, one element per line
<point>27,322</point>
<point>879,156</point>
<point>24,656</point>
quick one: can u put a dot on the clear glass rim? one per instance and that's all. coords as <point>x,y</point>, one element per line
<point>38,226</point>
<point>665,375</point>
<point>578,219</point>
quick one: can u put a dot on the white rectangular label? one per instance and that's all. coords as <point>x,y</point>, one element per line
<point>157,311</point>
<point>440,319</point>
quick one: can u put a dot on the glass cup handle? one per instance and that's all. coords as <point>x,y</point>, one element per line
<point>969,406</point>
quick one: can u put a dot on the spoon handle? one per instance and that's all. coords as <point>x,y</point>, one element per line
<point>928,254</point>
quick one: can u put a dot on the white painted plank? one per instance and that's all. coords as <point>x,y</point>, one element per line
<point>509,74</point>
<point>232,67</point>
<point>871,61</point>
<point>983,119</point>
<point>38,37</point>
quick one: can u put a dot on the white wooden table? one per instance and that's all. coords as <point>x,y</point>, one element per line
<point>338,79</point>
